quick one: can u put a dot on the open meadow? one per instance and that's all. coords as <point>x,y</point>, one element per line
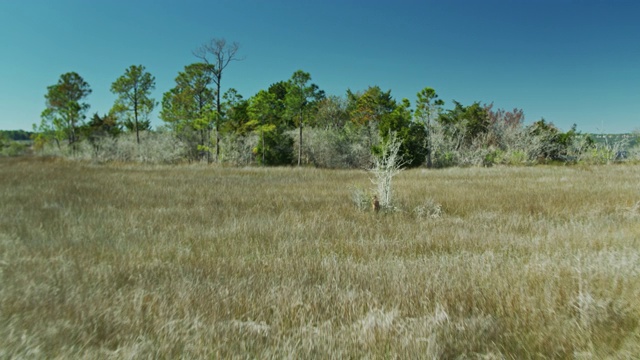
<point>195,261</point>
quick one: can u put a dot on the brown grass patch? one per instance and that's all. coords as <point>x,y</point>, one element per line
<point>195,261</point>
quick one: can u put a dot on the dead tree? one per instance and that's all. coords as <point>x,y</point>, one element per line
<point>218,53</point>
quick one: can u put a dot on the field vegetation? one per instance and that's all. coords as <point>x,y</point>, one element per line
<point>295,122</point>
<point>124,260</point>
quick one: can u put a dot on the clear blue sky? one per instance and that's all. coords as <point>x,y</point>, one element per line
<point>567,61</point>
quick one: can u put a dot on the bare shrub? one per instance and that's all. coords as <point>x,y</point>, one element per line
<point>238,150</point>
<point>505,127</point>
<point>634,153</point>
<point>338,147</point>
<point>154,148</point>
<point>360,199</point>
<point>385,166</point>
<point>476,154</point>
<point>429,209</point>
<point>443,147</point>
<point>161,148</point>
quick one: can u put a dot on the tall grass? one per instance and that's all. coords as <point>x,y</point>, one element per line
<point>133,261</point>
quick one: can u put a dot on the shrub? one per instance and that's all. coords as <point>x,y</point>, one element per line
<point>361,199</point>
<point>429,209</point>
<point>278,149</point>
<point>237,150</point>
<point>13,148</point>
<point>599,155</point>
<point>388,164</point>
<point>514,157</point>
<point>336,148</point>
<point>494,156</point>
<point>154,148</point>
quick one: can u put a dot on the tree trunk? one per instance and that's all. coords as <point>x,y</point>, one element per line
<point>429,163</point>
<point>218,109</point>
<point>217,141</point>
<point>72,138</point>
<point>206,139</point>
<point>205,136</point>
<point>300,143</point>
<point>135,113</point>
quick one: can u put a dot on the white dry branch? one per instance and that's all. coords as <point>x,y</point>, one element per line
<point>385,167</point>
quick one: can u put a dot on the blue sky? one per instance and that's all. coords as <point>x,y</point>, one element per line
<point>568,61</point>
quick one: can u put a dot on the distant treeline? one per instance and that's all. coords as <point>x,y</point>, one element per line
<point>15,142</point>
<point>15,135</point>
<point>294,121</point>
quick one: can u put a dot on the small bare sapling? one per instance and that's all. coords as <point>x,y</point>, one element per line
<point>385,167</point>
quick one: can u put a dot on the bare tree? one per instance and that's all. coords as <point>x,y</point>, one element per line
<point>219,53</point>
<point>385,166</point>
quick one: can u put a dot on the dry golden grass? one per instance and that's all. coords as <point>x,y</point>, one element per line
<point>131,261</point>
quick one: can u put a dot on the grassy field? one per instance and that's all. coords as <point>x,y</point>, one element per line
<point>133,261</point>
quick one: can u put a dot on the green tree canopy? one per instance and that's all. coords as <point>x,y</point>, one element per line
<point>235,112</point>
<point>100,127</point>
<point>301,101</point>
<point>465,123</point>
<point>133,103</point>
<point>65,110</point>
<point>428,108</point>
<point>190,105</point>
<point>332,113</point>
<point>263,114</point>
<point>370,106</point>
<point>410,135</point>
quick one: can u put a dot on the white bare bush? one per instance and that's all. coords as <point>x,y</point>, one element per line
<point>430,209</point>
<point>154,148</point>
<point>478,153</point>
<point>634,153</point>
<point>161,148</point>
<point>449,149</point>
<point>535,146</point>
<point>360,198</point>
<point>338,147</point>
<point>238,150</point>
<point>325,148</point>
<point>507,136</point>
<point>52,149</point>
<point>443,147</point>
<point>385,166</point>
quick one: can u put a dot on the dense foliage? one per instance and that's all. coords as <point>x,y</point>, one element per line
<point>15,135</point>
<point>133,103</point>
<point>295,122</point>
<point>65,112</point>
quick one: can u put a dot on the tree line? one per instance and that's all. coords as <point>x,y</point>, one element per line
<point>293,121</point>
